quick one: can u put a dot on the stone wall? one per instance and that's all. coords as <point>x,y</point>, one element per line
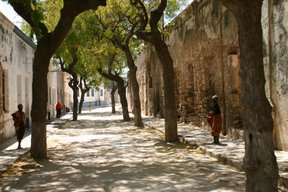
<point>203,42</point>
<point>149,76</point>
<point>275,34</point>
<point>16,55</point>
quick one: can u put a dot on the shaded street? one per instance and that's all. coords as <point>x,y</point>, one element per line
<point>100,152</point>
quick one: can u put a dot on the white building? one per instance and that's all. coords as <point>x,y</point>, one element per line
<point>98,96</point>
<point>58,90</point>
<point>16,57</point>
<point>16,75</point>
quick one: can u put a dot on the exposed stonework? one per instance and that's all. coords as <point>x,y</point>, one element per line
<point>203,42</point>
<point>1,105</point>
<point>275,33</point>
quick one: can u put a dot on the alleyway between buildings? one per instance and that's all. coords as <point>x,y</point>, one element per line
<point>100,152</point>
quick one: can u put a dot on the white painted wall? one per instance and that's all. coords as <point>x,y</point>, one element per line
<point>101,94</point>
<point>58,89</point>
<point>16,58</point>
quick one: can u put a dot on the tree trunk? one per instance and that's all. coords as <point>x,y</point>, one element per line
<point>259,162</point>
<point>84,88</point>
<point>121,91</point>
<point>81,102</point>
<point>135,93</point>
<point>155,37</point>
<point>40,99</point>
<point>170,113</point>
<point>133,81</point>
<point>123,101</point>
<point>73,84</point>
<point>114,88</point>
<point>75,99</point>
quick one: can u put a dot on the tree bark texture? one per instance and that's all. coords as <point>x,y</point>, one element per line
<point>121,92</point>
<point>132,80</point>
<point>259,162</point>
<point>40,99</point>
<point>84,89</point>
<point>123,100</point>
<point>114,88</point>
<point>74,86</point>
<point>135,92</point>
<point>154,36</point>
<point>81,102</point>
<point>73,83</point>
<point>170,113</point>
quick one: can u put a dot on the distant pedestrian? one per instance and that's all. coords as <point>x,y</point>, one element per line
<point>214,120</point>
<point>58,109</point>
<point>19,118</point>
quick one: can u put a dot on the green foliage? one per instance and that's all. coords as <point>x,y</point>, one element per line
<point>51,10</point>
<point>172,9</point>
<point>26,28</point>
<point>118,20</point>
<point>35,11</point>
<point>87,40</point>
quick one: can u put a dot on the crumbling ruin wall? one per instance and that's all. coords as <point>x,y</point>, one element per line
<point>275,34</point>
<point>203,42</point>
<point>149,77</point>
<point>204,48</point>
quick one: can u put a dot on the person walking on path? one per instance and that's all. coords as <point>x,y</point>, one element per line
<point>58,109</point>
<point>19,118</point>
<point>214,120</point>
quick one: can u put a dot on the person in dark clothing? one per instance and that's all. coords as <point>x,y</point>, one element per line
<point>214,120</point>
<point>19,118</point>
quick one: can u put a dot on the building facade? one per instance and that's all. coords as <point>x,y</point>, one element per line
<point>16,56</point>
<point>16,74</point>
<point>58,90</point>
<point>98,96</point>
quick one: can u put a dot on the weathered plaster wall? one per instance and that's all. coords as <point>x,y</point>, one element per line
<point>149,76</point>
<point>16,61</point>
<point>203,43</point>
<point>204,47</point>
<point>275,34</point>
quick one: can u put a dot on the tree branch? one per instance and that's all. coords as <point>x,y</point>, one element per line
<point>143,15</point>
<point>157,14</point>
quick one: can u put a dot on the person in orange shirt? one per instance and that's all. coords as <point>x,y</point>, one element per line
<point>58,109</point>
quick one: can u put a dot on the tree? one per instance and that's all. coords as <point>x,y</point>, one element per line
<point>119,29</point>
<point>259,162</point>
<point>114,75</point>
<point>113,90</point>
<point>73,83</point>
<point>104,58</point>
<point>47,43</point>
<point>72,51</point>
<point>149,32</point>
<point>84,88</point>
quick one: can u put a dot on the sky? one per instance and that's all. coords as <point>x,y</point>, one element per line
<point>9,12</point>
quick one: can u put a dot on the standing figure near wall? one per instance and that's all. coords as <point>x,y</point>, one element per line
<point>214,120</point>
<point>19,118</point>
<point>58,109</point>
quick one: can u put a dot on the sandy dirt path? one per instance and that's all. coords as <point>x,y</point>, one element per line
<point>100,152</point>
